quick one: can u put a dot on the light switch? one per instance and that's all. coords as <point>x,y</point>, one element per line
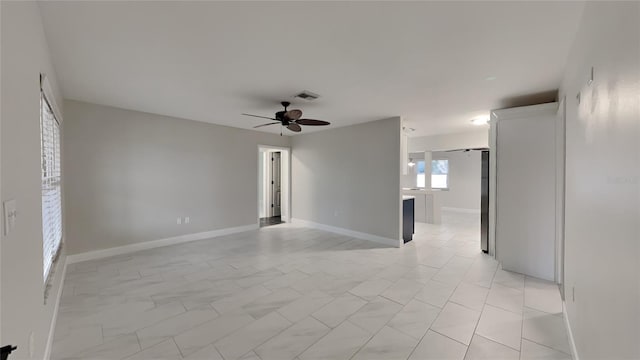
<point>10,214</point>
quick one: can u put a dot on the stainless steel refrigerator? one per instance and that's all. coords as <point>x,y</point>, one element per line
<point>484,203</point>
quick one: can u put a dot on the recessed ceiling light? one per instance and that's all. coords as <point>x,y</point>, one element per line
<point>480,120</point>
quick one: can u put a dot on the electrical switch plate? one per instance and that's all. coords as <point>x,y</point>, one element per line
<point>187,220</point>
<point>10,214</point>
<point>179,221</point>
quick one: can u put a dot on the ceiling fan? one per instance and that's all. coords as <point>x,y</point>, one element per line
<point>290,119</point>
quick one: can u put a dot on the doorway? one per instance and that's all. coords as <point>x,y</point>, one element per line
<point>273,185</point>
<point>451,192</point>
<point>276,187</point>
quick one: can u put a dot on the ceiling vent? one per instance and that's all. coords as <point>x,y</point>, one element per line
<point>307,95</point>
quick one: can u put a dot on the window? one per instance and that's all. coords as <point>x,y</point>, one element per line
<point>439,174</point>
<point>51,191</point>
<point>420,182</point>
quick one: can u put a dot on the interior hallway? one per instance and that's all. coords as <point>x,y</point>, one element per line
<point>287,292</point>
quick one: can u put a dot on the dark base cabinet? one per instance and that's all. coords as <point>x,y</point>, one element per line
<point>408,219</point>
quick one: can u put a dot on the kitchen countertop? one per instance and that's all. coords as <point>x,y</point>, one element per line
<point>418,191</point>
<point>407,197</point>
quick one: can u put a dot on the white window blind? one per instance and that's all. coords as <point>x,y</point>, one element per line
<point>51,190</point>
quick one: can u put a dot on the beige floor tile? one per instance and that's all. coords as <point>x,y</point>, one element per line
<point>435,346</point>
<point>484,349</point>
<point>276,293</point>
<point>456,322</point>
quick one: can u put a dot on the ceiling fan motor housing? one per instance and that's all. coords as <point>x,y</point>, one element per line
<point>280,117</point>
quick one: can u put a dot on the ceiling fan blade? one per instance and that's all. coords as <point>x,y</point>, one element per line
<point>294,127</point>
<point>258,116</point>
<point>271,123</point>
<point>294,114</point>
<point>312,122</point>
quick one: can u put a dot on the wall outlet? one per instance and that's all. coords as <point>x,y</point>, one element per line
<point>179,221</point>
<point>187,220</point>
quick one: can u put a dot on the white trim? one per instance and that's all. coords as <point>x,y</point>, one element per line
<point>523,111</point>
<point>99,254</point>
<point>47,89</point>
<point>567,324</point>
<point>493,184</point>
<point>461,210</point>
<point>273,147</point>
<point>285,179</point>
<point>347,232</point>
<point>54,318</point>
<point>561,130</point>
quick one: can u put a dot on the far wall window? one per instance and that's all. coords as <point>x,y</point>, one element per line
<point>51,191</point>
<point>439,174</point>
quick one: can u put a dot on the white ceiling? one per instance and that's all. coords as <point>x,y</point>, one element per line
<point>430,62</point>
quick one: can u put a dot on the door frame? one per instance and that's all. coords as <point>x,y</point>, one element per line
<point>274,197</point>
<point>561,150</point>
<point>285,180</point>
<point>493,174</point>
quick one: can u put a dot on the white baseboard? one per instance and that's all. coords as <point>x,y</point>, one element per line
<point>54,318</point>
<point>347,232</point>
<point>99,254</point>
<point>461,210</point>
<point>572,343</point>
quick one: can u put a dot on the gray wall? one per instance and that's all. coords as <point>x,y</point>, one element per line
<point>464,179</point>
<point>602,249</point>
<point>470,139</point>
<point>129,175</point>
<point>24,57</point>
<point>349,177</point>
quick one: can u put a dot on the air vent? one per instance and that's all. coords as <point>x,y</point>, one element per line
<point>307,95</point>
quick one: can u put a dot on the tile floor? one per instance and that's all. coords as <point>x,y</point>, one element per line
<point>287,292</point>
